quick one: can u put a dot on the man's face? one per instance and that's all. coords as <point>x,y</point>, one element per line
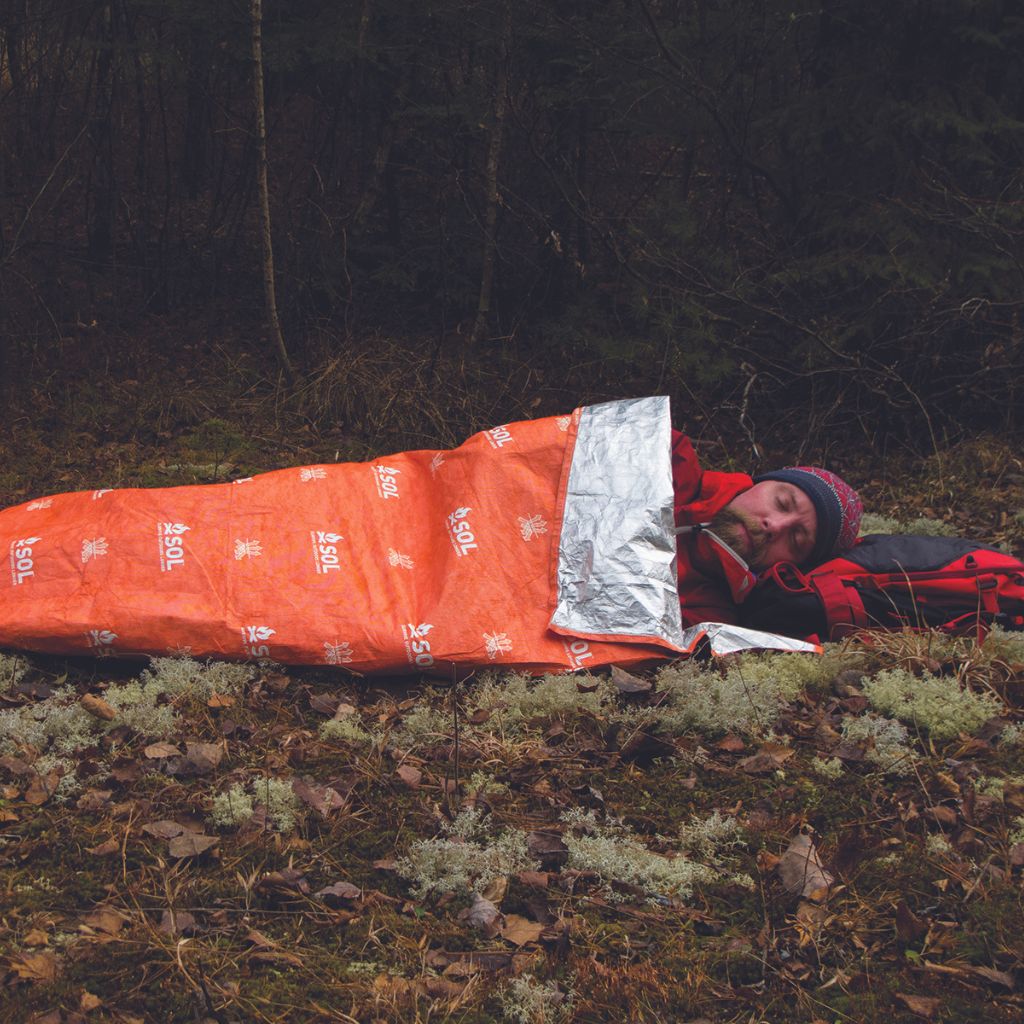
<point>771,522</point>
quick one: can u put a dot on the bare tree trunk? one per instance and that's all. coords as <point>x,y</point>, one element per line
<point>483,307</point>
<point>270,295</point>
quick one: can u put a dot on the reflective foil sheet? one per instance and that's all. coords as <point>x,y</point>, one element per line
<point>616,572</point>
<point>726,639</point>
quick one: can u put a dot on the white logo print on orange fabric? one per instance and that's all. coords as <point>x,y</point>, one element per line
<point>385,478</point>
<point>417,647</point>
<point>460,532</point>
<point>577,651</point>
<point>172,547</point>
<point>337,654</point>
<point>252,637</point>
<point>312,473</point>
<point>247,549</point>
<point>532,527</point>
<point>243,480</point>
<point>93,549</point>
<point>96,495</point>
<point>23,563</point>
<point>563,423</point>
<point>101,639</point>
<point>398,560</point>
<point>498,437</point>
<point>436,463</point>
<point>497,643</point>
<point>325,550</point>
<point>35,506</point>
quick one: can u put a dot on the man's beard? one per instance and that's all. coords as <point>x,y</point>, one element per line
<point>730,526</point>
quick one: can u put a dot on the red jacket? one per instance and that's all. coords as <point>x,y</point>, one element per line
<point>699,496</point>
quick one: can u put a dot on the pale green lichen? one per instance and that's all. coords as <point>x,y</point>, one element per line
<point>888,742</point>
<point>1012,735</point>
<point>937,845</point>
<point>465,858</point>
<point>1005,644</point>
<point>746,698</point>
<point>348,729</point>
<point>1016,833</point>
<point>938,704</point>
<point>614,851</point>
<point>239,803</point>
<point>828,768</point>
<point>12,670</point>
<point>425,722</point>
<point>709,837</point>
<point>149,704</point>
<point>525,1000</point>
<point>514,700</point>
<point>58,724</point>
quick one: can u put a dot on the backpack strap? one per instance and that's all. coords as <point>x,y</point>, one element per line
<point>844,609</point>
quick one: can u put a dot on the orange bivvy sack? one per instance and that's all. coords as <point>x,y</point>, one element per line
<point>543,545</point>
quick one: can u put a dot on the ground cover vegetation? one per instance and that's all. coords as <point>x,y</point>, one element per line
<point>801,221</point>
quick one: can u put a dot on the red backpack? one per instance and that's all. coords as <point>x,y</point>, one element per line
<point>892,582</point>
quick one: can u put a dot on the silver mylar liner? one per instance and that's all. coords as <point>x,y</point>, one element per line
<point>617,551</point>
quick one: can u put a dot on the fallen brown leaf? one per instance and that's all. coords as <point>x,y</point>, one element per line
<point>190,844</point>
<point>177,922</point>
<point>42,966</point>
<point>89,1002</point>
<point>482,915</point>
<point>339,892</point>
<point>104,919</point>
<point>203,757</point>
<point>105,849</point>
<point>769,758</point>
<point>323,799</point>
<point>163,829</point>
<point>519,931</point>
<point>802,872</point>
<point>923,1006</point>
<point>628,684</point>
<point>548,847</point>
<point>158,750</point>
<point>410,775</point>
<point>98,707</point>
<point>41,788</point>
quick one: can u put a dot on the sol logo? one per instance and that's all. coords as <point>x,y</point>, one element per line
<point>384,478</point>
<point>497,437</point>
<point>23,564</point>
<point>252,640</point>
<point>460,532</point>
<point>325,550</point>
<point>172,547</point>
<point>417,647</point>
<point>578,651</point>
<point>101,639</point>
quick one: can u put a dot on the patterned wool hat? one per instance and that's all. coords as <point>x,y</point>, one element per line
<point>837,504</point>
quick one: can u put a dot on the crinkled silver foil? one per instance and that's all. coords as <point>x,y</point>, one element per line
<point>617,550</point>
<point>726,639</point>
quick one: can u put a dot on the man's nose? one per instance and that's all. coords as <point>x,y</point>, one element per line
<point>774,522</point>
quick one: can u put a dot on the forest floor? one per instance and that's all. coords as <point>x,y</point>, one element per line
<point>782,838</point>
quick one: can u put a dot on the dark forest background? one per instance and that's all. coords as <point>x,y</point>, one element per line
<point>801,220</point>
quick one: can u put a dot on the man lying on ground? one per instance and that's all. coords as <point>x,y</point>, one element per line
<point>541,545</point>
<point>732,526</point>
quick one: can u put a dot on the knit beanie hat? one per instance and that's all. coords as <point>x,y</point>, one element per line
<point>836,503</point>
